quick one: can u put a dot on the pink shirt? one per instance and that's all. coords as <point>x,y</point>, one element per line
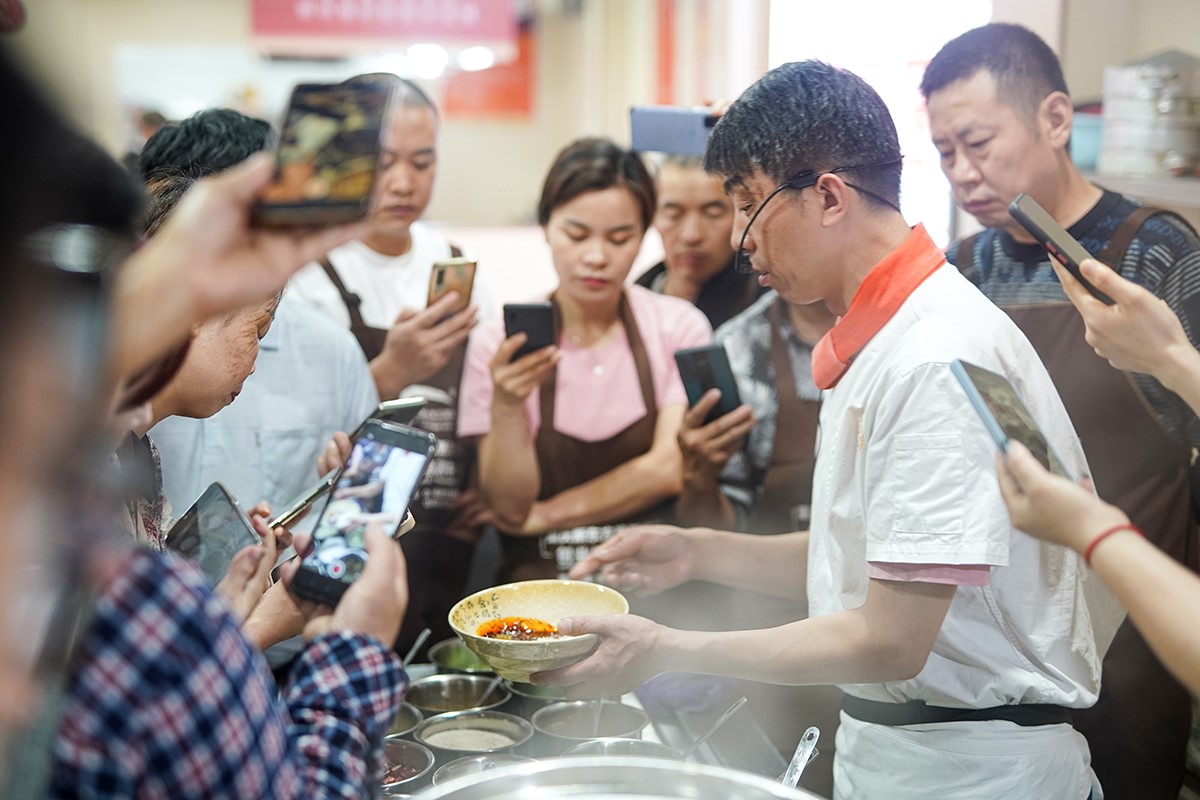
<point>598,394</point>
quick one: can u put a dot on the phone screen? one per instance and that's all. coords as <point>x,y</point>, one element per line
<point>1003,413</point>
<point>212,531</point>
<point>325,160</point>
<point>375,485</point>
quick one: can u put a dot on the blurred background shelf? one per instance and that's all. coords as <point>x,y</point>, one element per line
<point>1181,195</point>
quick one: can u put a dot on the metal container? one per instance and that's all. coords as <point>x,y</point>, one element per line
<point>622,747</point>
<point>433,732</point>
<point>527,698</point>
<point>451,656</point>
<point>406,720</point>
<point>594,777</point>
<point>439,694</point>
<point>398,751</point>
<point>562,725</point>
<point>473,765</point>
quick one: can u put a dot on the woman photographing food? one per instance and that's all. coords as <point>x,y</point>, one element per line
<point>579,437</point>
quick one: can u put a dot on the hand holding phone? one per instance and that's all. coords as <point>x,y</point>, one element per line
<point>1003,414</point>
<point>707,367</point>
<point>374,487</point>
<point>326,154</point>
<point>535,320</point>
<point>1061,245</point>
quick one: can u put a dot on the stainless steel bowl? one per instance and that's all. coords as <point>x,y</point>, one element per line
<point>461,724</point>
<point>473,765</point>
<point>596,777</point>
<point>622,747</point>
<point>439,694</point>
<point>528,698</point>
<point>416,756</point>
<point>452,656</point>
<point>562,725</point>
<point>406,720</point>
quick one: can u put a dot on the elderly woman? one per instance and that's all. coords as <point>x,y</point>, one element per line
<point>578,438</point>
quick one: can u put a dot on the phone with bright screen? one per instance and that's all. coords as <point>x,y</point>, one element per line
<point>1004,415</point>
<point>212,531</point>
<point>326,154</point>
<point>375,485</point>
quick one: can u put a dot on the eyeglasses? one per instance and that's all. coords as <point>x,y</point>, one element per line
<point>799,181</point>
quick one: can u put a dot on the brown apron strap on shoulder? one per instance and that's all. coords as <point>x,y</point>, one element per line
<point>455,251</point>
<point>785,379</point>
<point>1122,237</point>
<point>351,300</point>
<point>640,359</point>
<point>965,254</point>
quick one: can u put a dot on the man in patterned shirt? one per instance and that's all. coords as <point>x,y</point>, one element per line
<point>1000,118</point>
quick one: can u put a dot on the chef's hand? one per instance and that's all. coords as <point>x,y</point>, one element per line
<point>374,604</point>
<point>625,658</point>
<point>1050,507</point>
<point>707,448</point>
<point>641,560</point>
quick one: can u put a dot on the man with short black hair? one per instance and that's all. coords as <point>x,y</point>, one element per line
<point>1000,116</point>
<point>209,141</point>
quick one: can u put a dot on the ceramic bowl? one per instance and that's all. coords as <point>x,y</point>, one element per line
<point>546,600</point>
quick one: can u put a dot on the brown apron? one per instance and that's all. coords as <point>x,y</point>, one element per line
<point>440,547</point>
<point>1138,730</point>
<point>566,462</point>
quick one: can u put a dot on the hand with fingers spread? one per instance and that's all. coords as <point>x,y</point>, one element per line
<point>516,379</point>
<point>374,604</point>
<point>247,577</point>
<point>420,343</point>
<point>625,658</point>
<point>1051,507</point>
<point>641,560</point>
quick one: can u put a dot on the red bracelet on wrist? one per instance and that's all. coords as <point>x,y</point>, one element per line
<point>1128,526</point>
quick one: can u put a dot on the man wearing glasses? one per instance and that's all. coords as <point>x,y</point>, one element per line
<point>960,642</point>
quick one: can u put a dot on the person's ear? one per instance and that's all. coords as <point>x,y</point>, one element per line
<point>1055,117</point>
<point>832,192</point>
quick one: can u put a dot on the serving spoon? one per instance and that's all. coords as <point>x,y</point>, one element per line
<point>741,701</point>
<point>805,751</point>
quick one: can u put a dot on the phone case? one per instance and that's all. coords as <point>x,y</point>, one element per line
<point>1062,246</point>
<point>457,274</point>
<point>707,367</point>
<point>670,129</point>
<point>326,155</point>
<point>535,320</point>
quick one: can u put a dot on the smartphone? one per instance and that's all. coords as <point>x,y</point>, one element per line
<point>457,274</point>
<point>1061,245</point>
<point>375,484</point>
<point>212,531</point>
<point>670,129</point>
<point>535,320</point>
<point>707,367</point>
<point>309,496</point>
<point>326,154</point>
<point>1003,413</point>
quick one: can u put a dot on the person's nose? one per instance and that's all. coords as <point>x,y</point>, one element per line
<point>399,180</point>
<point>595,254</point>
<point>963,171</point>
<point>692,229</point>
<point>736,240</point>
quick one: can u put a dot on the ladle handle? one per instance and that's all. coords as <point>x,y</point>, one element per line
<point>741,701</point>
<point>800,759</point>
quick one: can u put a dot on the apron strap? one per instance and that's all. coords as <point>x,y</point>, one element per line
<point>351,300</point>
<point>965,254</point>
<point>785,379</point>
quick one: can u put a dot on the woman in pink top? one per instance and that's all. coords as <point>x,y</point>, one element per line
<point>579,438</point>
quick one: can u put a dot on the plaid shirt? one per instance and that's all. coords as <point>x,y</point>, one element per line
<point>170,701</point>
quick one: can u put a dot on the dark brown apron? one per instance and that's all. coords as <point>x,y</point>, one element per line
<point>566,462</point>
<point>440,547</point>
<point>1138,730</point>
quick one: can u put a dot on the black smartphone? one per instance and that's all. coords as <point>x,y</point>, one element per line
<point>375,485</point>
<point>326,154</point>
<point>707,367</point>
<point>309,496</point>
<point>1062,246</point>
<point>212,531</point>
<point>535,320</point>
<point>455,274</point>
<point>1003,413</point>
<point>670,129</point>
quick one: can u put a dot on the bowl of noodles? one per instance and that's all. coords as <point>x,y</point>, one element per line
<point>513,627</point>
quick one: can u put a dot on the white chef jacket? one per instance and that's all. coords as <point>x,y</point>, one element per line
<point>906,474</point>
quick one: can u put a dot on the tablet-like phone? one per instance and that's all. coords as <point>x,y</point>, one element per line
<point>309,496</point>
<point>375,485</point>
<point>1062,246</point>
<point>670,129</point>
<point>535,320</point>
<point>707,367</point>
<point>455,274</point>
<point>1004,415</point>
<point>212,531</point>
<point>326,154</point>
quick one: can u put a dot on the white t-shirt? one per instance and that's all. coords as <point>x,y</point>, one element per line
<point>386,284</point>
<point>906,474</point>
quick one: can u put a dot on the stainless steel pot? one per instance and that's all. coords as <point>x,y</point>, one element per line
<point>611,778</point>
<point>439,694</point>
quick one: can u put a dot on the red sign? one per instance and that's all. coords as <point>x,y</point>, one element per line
<point>410,20</point>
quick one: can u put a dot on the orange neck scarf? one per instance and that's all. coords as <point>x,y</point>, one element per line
<point>879,297</point>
